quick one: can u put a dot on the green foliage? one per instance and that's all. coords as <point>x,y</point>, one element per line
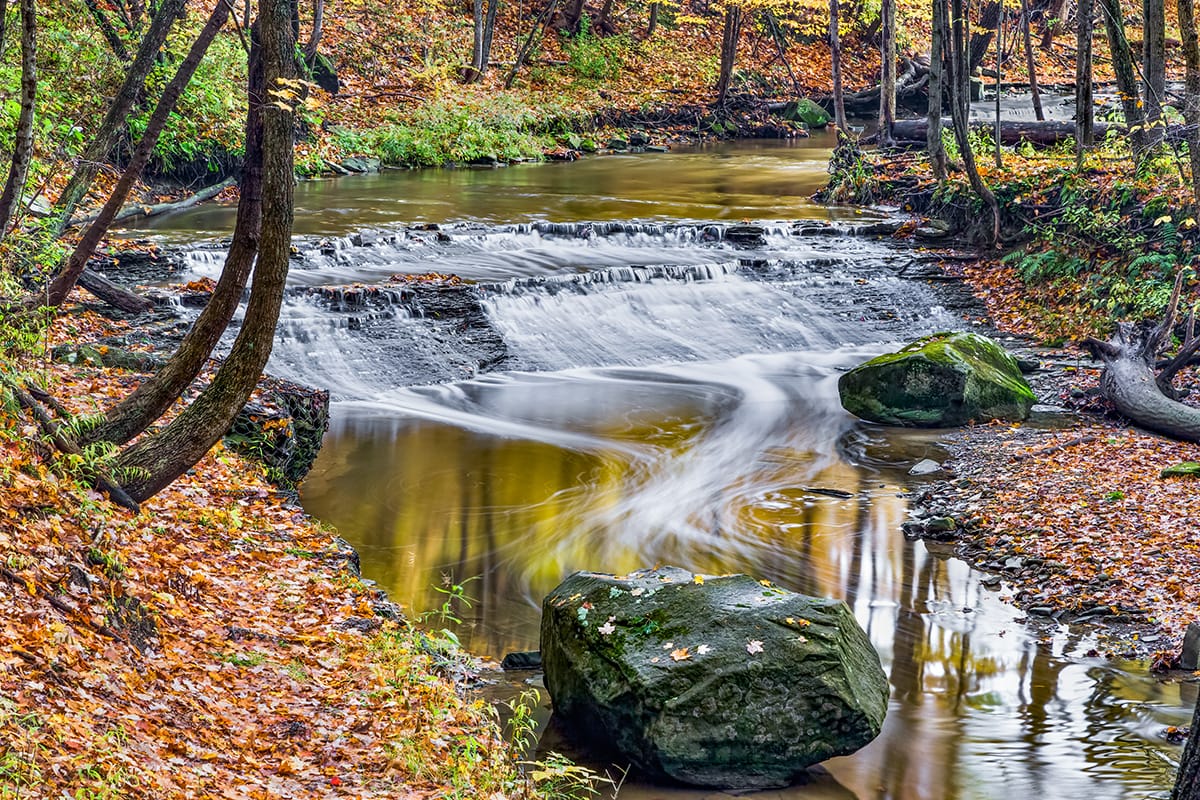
<point>449,131</point>
<point>595,58</point>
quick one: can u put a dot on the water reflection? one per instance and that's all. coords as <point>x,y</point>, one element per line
<point>517,480</point>
<point>770,179</point>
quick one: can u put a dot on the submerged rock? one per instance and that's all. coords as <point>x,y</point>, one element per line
<point>938,381</point>
<point>715,681</point>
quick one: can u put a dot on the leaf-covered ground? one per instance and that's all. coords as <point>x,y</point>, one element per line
<point>218,644</point>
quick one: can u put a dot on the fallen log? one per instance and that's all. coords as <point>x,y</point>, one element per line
<point>114,295</point>
<point>1042,134</point>
<point>137,210</point>
<point>1129,380</point>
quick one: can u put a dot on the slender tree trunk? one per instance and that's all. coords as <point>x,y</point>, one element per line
<point>98,149</point>
<point>1127,84</point>
<point>835,54</point>
<point>107,30</point>
<point>476,41</point>
<point>534,35</point>
<point>999,82</point>
<point>730,34</point>
<point>937,59</point>
<point>22,155</point>
<point>960,105</point>
<point>1154,66</point>
<point>1191,94</point>
<point>1084,112</point>
<point>652,26</point>
<point>77,263</point>
<point>154,396</point>
<point>318,28</point>
<point>887,75</point>
<point>489,32</point>
<point>159,459</point>
<point>1031,62</point>
<point>1053,22</point>
<point>3,26</point>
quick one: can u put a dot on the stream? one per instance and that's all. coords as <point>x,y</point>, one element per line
<point>658,393</point>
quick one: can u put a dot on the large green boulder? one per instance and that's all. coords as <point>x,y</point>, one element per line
<point>939,381</point>
<point>725,682</point>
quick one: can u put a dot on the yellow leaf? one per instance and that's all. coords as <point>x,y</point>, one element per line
<point>681,654</point>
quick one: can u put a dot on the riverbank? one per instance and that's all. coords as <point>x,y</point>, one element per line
<point>1077,519</point>
<point>218,643</point>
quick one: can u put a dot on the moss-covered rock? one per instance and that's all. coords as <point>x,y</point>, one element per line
<point>938,381</point>
<point>1184,469</point>
<point>714,681</point>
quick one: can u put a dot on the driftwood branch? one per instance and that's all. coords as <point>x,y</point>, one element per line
<point>143,211</point>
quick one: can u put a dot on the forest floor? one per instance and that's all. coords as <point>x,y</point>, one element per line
<point>217,644</point>
<point>1078,518</point>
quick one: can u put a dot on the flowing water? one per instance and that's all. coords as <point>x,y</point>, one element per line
<point>664,396</point>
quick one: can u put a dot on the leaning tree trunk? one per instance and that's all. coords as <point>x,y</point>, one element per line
<point>1130,383</point>
<point>959,104</point>
<point>1127,83</point>
<point>155,395</point>
<point>62,284</point>
<point>1030,62</point>
<point>98,149</point>
<point>1191,94</point>
<point>23,141</point>
<point>155,461</point>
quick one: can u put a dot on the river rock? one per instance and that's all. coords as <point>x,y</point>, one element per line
<point>939,381</point>
<point>723,682</point>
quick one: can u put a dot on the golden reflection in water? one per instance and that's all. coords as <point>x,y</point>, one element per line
<point>981,706</point>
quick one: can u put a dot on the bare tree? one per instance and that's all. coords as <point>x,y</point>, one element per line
<point>156,460</point>
<point>1031,62</point>
<point>1085,115</point>
<point>731,32</point>
<point>937,60</point>
<point>66,278</point>
<point>887,75</point>
<point>835,54</point>
<point>22,155</point>
<point>960,96</point>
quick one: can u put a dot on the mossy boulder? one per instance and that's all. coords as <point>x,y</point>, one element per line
<point>723,682</point>
<point>939,381</point>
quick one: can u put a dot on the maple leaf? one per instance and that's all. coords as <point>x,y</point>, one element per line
<point>703,649</point>
<point>681,654</point>
<point>754,646</point>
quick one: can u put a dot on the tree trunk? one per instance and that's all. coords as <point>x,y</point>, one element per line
<point>523,53</point>
<point>835,54</point>
<point>1084,112</point>
<point>22,155</point>
<point>108,31</point>
<point>933,125</point>
<point>113,294</point>
<point>3,26</point>
<point>1128,378</point>
<point>572,16</point>
<point>652,25</point>
<point>159,459</point>
<point>489,32</point>
<point>1127,84</point>
<point>1191,93</point>
<point>477,61</point>
<point>959,106</point>
<point>98,149</point>
<point>981,40</point>
<point>1039,134</point>
<point>887,73</point>
<point>65,280</point>
<point>318,28</point>
<point>1054,22</point>
<point>1187,780</point>
<point>999,80</point>
<point>729,41</point>
<point>154,396</point>
<point>1031,62</point>
<point>1154,65</point>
